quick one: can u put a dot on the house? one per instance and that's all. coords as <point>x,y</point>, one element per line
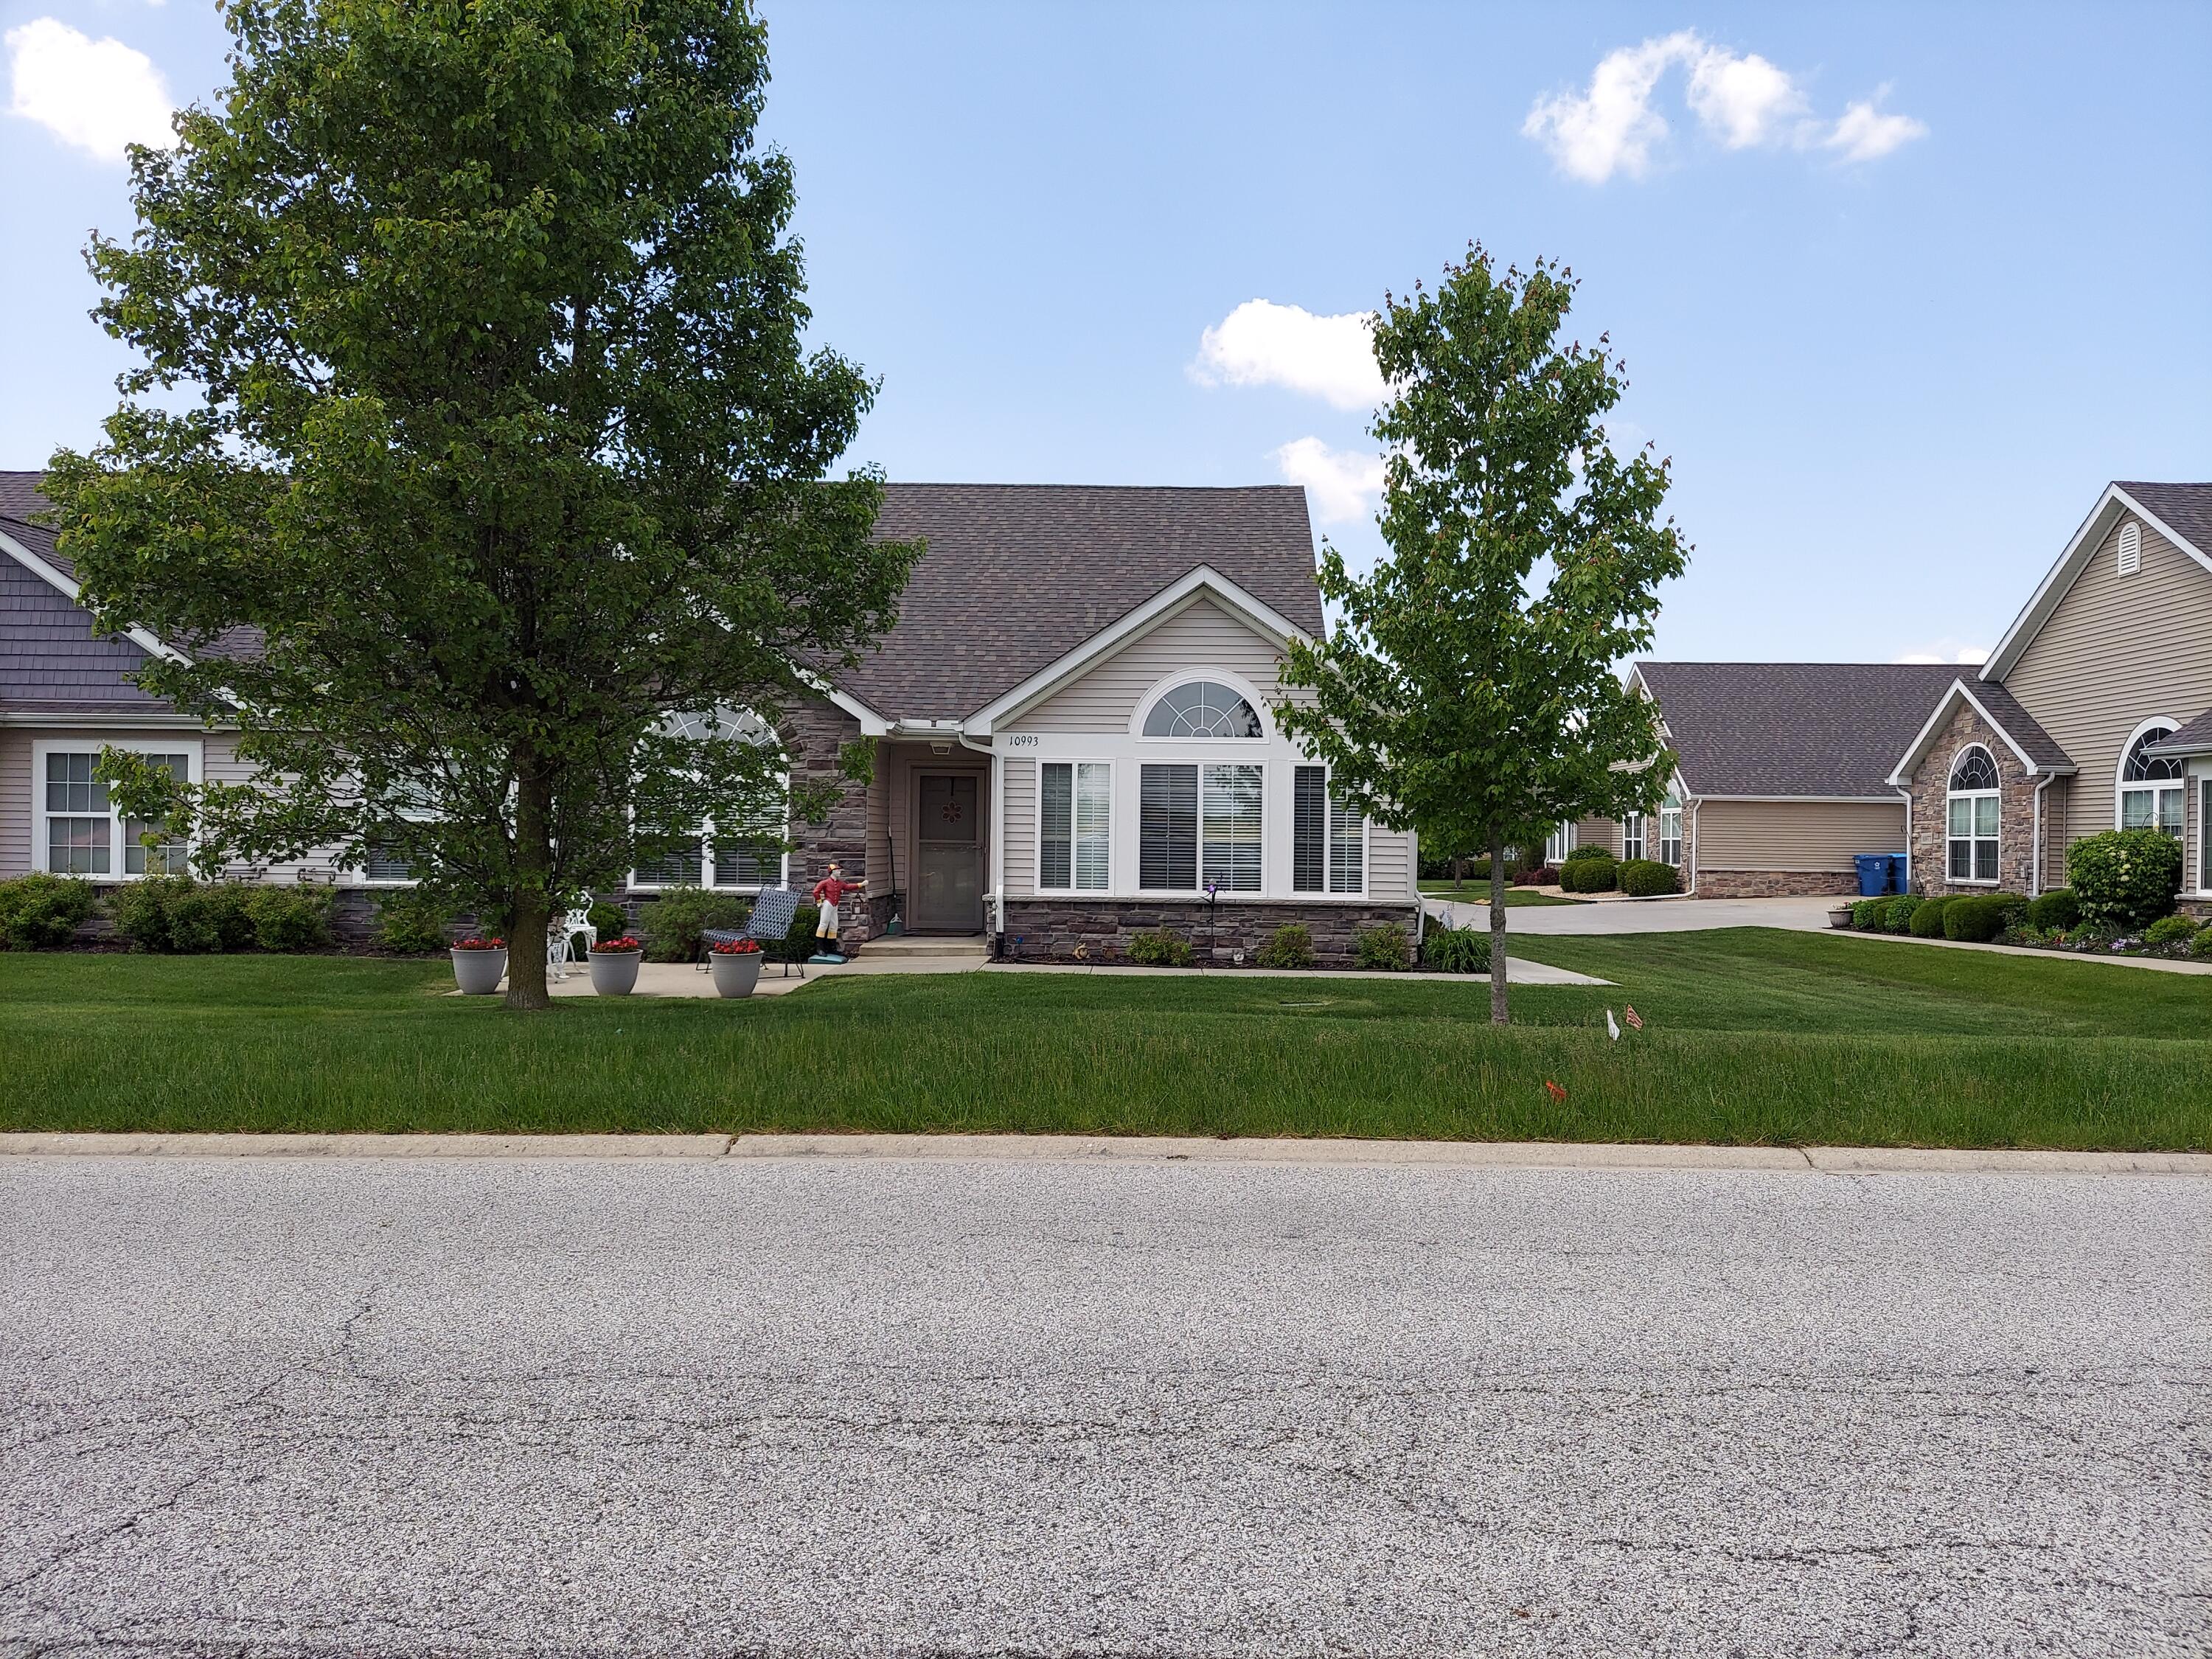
<point>1071,722</point>
<point>2093,713</point>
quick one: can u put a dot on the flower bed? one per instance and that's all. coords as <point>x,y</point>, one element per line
<point>2052,922</point>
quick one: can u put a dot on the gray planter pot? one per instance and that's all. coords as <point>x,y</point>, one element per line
<point>614,973</point>
<point>478,972</point>
<point>735,975</point>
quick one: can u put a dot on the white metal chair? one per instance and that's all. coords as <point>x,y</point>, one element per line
<point>561,942</point>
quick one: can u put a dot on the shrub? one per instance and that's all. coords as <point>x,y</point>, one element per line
<point>671,923</point>
<point>1456,950</point>
<point>409,922</point>
<point>2057,909</point>
<point>2201,946</point>
<point>1159,948</point>
<point>40,911</point>
<point>1926,921</point>
<point>2170,930</point>
<point>2125,877</point>
<point>1381,948</point>
<point>291,919</point>
<point>1290,946</point>
<point>1866,914</point>
<point>607,917</point>
<point>1584,855</point>
<point>1591,875</point>
<point>1648,879</point>
<point>175,915</point>
<point>799,937</point>
<point>1897,916</point>
<point>1979,919</point>
<point>1541,875</point>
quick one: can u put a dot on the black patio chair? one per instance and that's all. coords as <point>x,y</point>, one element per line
<point>773,914</point>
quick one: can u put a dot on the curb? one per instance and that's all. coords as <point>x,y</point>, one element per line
<point>1135,1149</point>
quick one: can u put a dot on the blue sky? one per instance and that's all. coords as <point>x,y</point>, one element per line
<point>1899,288</point>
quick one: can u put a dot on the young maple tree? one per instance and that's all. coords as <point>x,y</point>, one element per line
<point>1470,691</point>
<point>490,497</point>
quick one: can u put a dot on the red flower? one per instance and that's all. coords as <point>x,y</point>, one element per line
<point>735,947</point>
<point>608,947</point>
<point>472,943</point>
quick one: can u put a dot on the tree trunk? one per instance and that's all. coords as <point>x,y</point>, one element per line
<point>531,913</point>
<point>1497,1014</point>
<point>1459,873</point>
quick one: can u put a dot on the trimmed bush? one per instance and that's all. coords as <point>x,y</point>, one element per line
<point>2057,909</point>
<point>1381,948</point>
<point>1897,916</point>
<point>2170,930</point>
<point>39,912</point>
<point>608,918</point>
<point>1159,948</point>
<point>799,937</point>
<point>671,923</point>
<point>1456,950</point>
<point>1926,921</point>
<point>1290,946</point>
<point>1542,875</point>
<point>1979,919</point>
<point>177,915</point>
<point>1601,874</point>
<point>409,922</point>
<point>1867,914</point>
<point>289,920</point>
<point>2201,946</point>
<point>1584,855</point>
<point>1647,878</point>
<point>2125,877</point>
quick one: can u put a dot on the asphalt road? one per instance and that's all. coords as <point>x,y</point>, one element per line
<point>387,1407</point>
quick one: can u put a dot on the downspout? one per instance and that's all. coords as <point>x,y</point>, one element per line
<point>1906,796</point>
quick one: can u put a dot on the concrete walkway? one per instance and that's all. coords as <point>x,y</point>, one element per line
<point>1666,915</point>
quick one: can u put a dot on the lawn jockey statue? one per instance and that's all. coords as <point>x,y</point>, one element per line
<point>828,893</point>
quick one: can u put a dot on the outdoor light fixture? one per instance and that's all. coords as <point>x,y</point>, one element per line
<point>938,746</point>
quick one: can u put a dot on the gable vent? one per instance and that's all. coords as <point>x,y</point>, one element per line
<point>2131,549</point>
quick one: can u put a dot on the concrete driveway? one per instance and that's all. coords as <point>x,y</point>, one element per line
<point>832,1405</point>
<point>1671,915</point>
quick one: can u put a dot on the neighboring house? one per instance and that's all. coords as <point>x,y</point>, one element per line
<point>2093,713</point>
<point>1070,721</point>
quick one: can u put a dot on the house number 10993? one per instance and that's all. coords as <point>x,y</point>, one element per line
<point>1021,741</point>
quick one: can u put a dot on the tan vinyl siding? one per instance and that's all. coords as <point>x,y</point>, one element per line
<point>1599,832</point>
<point>1201,637</point>
<point>1017,779</point>
<point>2117,651</point>
<point>1794,835</point>
<point>1390,864</point>
<point>14,801</point>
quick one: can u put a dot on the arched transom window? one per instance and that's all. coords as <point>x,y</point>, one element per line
<point>1203,708</point>
<point>2150,785</point>
<point>1973,813</point>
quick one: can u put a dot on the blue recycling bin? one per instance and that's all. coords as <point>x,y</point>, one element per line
<point>1873,874</point>
<point>1898,868</point>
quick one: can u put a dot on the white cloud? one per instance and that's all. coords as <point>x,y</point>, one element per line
<point>1865,134</point>
<point>98,95</point>
<point>1742,101</point>
<point>1948,651</point>
<point>1341,482</point>
<point>1263,344</point>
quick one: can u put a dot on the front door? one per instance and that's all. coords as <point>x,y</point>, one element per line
<point>948,887</point>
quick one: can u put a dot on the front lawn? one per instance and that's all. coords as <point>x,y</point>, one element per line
<point>1477,892</point>
<point>1754,1036</point>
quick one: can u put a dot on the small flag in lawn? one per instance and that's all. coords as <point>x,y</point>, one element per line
<point>1635,1019</point>
<point>1612,1026</point>
<point>1559,1095</point>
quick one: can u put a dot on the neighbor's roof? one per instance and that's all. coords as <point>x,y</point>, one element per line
<point>2194,738</point>
<point>1807,729</point>
<point>1018,575</point>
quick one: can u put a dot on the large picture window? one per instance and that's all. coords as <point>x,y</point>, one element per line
<point>79,832</point>
<point>1329,850</point>
<point>1229,832</point>
<point>1073,831</point>
<point>2151,788</point>
<point>1973,809</point>
<point>1200,825</point>
<point>1167,829</point>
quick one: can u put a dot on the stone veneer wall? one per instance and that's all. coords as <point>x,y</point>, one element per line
<point>1049,930</point>
<point>1776,883</point>
<point>812,732</point>
<point>1931,785</point>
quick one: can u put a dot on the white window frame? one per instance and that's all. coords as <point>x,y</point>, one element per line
<point>732,717</point>
<point>2122,787</point>
<point>1973,839</point>
<point>1631,835</point>
<point>1674,812</point>
<point>1560,843</point>
<point>195,758</point>
<point>1076,764</point>
<point>2202,781</point>
<point>1175,681</point>
<point>1327,889</point>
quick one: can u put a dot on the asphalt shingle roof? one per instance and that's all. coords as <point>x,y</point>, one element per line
<point>1794,728</point>
<point>2018,723</point>
<point>2187,508</point>
<point>1018,575</point>
<point>2193,738</point>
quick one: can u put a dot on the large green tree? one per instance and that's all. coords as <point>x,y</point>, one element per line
<point>476,435</point>
<point>1471,690</point>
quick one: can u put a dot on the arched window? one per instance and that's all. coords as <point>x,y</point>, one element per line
<point>2150,785</point>
<point>1203,708</point>
<point>744,857</point>
<point>1973,813</point>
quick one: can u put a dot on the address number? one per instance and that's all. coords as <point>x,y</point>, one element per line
<point>1021,741</point>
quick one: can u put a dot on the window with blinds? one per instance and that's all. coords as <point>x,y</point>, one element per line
<point>1073,839</point>
<point>1231,829</point>
<point>1328,839</point>
<point>1167,829</point>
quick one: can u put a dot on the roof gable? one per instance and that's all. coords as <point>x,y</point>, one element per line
<point>2035,748</point>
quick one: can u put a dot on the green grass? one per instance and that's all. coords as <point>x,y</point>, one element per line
<point>1475,893</point>
<point>1755,1036</point>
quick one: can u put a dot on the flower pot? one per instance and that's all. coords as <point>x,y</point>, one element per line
<point>614,973</point>
<point>735,974</point>
<point>1840,916</point>
<point>478,972</point>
